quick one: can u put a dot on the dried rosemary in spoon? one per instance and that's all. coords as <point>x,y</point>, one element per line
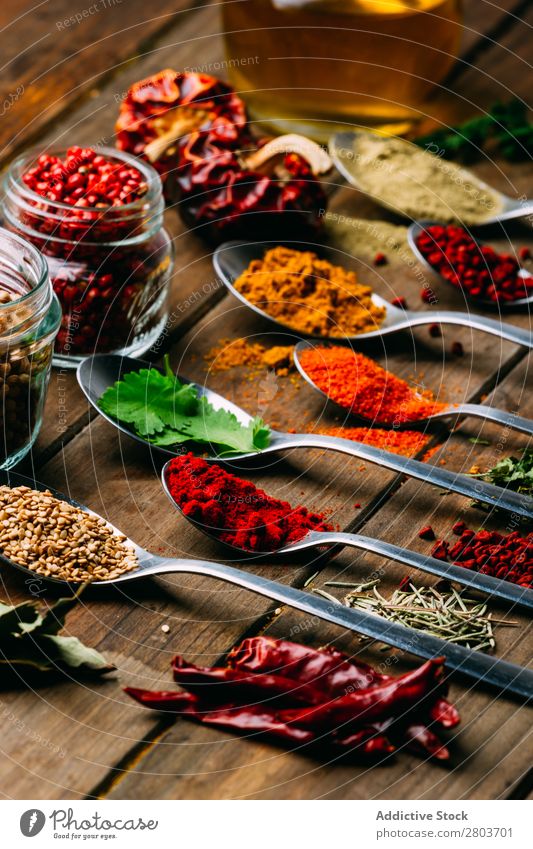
<point>443,612</point>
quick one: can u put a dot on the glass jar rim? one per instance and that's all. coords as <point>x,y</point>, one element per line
<point>152,178</point>
<point>40,271</point>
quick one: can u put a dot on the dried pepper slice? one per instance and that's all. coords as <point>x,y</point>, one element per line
<point>194,129</point>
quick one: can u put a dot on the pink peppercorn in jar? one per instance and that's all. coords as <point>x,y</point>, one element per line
<point>97,216</point>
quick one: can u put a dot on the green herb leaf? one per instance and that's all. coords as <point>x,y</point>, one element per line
<point>29,640</point>
<point>166,412</point>
<point>514,473</point>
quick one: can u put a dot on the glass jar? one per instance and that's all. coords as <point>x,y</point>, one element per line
<point>312,66</point>
<point>110,267</point>
<point>29,320</point>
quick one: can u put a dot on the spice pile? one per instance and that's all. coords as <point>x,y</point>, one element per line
<point>405,442</point>
<point>368,240</point>
<point>58,540</point>
<point>416,183</point>
<point>442,612</point>
<point>165,412</point>
<point>235,510</point>
<point>481,272</point>
<point>85,178</point>
<point>230,353</point>
<point>309,294</point>
<point>364,388</point>
<point>505,556</point>
<point>299,695</point>
<point>194,129</point>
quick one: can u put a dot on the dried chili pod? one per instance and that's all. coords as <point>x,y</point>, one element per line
<point>371,721</point>
<point>161,109</point>
<point>232,685</point>
<point>193,128</point>
<point>327,669</point>
<point>267,189</point>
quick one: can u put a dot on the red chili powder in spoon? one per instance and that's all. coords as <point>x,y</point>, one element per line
<point>362,386</point>
<point>235,510</point>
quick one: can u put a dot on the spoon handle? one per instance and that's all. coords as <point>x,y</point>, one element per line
<point>476,665</point>
<point>477,322</point>
<point>491,414</point>
<point>479,490</point>
<point>493,587</point>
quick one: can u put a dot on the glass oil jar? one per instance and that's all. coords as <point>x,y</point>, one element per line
<point>316,66</point>
<point>30,316</point>
<point>110,267</point>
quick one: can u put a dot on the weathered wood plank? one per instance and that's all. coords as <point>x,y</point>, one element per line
<point>53,56</point>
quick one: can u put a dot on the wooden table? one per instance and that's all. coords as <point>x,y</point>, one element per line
<point>87,739</point>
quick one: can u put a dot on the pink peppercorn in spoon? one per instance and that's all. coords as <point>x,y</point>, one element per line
<point>487,278</point>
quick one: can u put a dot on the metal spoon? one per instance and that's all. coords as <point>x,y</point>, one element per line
<point>413,233</point>
<point>232,258</point>
<point>494,587</point>
<point>506,677</point>
<point>479,411</point>
<point>342,149</point>
<point>97,373</point>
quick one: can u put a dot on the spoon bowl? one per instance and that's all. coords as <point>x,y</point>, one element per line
<point>494,587</point>
<point>499,674</point>
<point>343,149</point>
<point>413,234</point>
<point>98,372</point>
<point>480,411</point>
<point>232,258</point>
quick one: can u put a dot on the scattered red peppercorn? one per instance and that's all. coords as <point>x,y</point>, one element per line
<point>481,272</point>
<point>457,349</point>
<point>380,259</point>
<point>399,302</point>
<point>435,330</point>
<point>427,295</point>
<point>459,528</point>
<point>426,532</point>
<point>234,510</point>
<point>505,556</point>
<point>524,253</point>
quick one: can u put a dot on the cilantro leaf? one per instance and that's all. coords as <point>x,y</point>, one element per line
<point>166,412</point>
<point>149,401</point>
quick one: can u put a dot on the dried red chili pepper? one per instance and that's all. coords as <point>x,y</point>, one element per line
<point>194,129</point>
<point>304,695</point>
